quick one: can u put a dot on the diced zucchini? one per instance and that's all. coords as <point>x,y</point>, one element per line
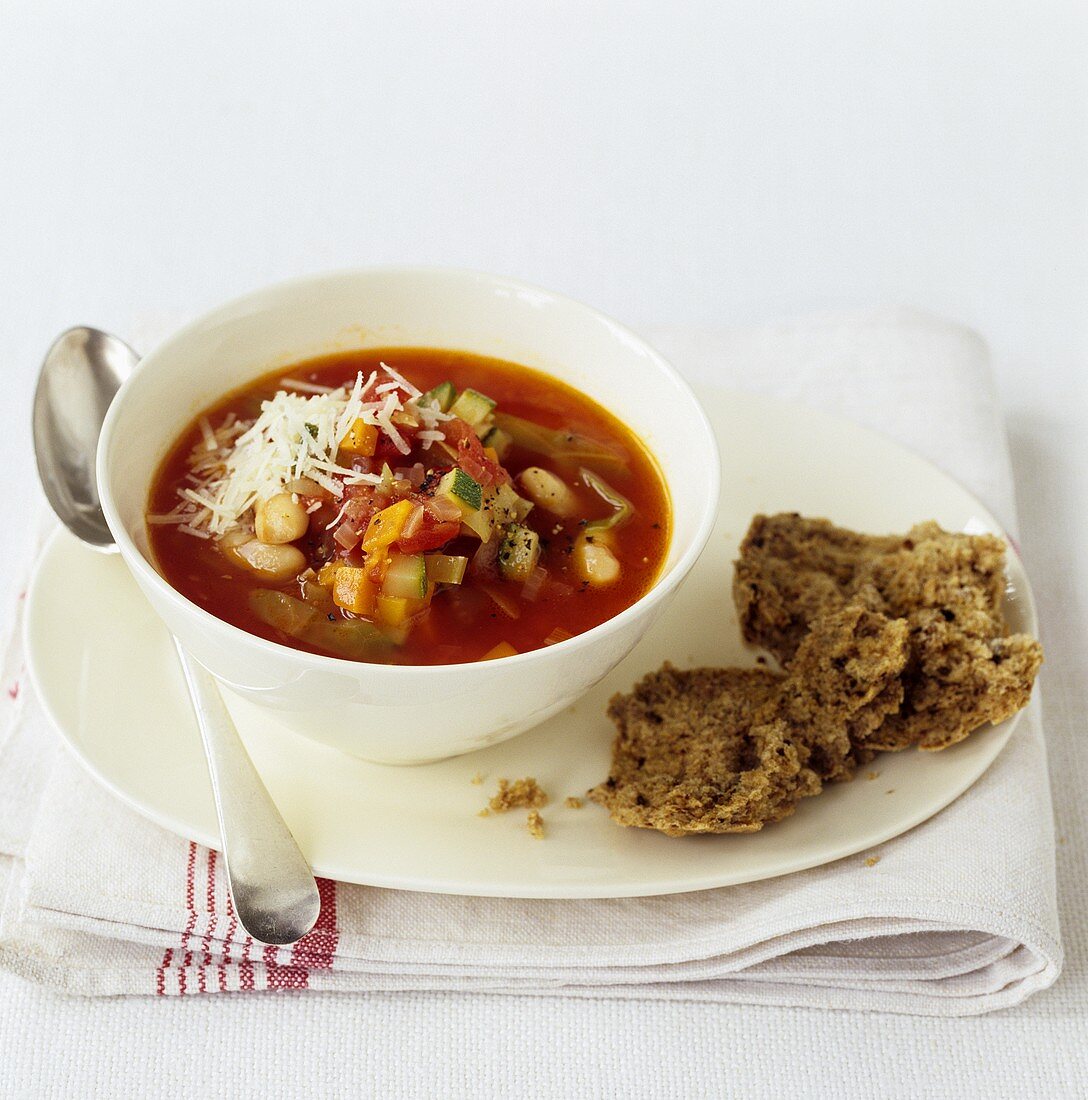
<point>499,441</point>
<point>405,577</point>
<point>505,506</point>
<point>442,396</point>
<point>472,407</point>
<point>519,552</point>
<point>463,490</point>
<point>445,568</point>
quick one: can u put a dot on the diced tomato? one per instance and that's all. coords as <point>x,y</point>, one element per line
<point>470,454</point>
<point>386,449</point>
<point>431,533</point>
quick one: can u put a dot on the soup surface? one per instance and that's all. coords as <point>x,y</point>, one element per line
<point>412,506</point>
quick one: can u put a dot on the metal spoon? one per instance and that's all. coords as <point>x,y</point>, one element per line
<point>274,892</point>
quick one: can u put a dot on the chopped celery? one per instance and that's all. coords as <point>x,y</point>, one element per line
<point>623,508</point>
<point>557,444</point>
<point>446,568</point>
<point>352,639</point>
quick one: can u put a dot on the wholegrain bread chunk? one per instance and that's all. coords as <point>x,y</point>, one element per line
<point>731,750</point>
<point>690,757</point>
<point>964,669</point>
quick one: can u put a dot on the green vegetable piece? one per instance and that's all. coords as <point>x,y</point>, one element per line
<point>519,552</point>
<point>352,639</point>
<point>499,441</point>
<point>472,407</point>
<point>406,576</point>
<point>560,446</point>
<point>463,490</point>
<point>624,509</point>
<point>446,568</point>
<point>441,397</point>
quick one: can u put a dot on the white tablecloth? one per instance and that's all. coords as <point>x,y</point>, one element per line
<point>548,1046</point>
<point>705,163</point>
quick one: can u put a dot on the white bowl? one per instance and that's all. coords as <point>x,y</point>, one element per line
<point>404,714</point>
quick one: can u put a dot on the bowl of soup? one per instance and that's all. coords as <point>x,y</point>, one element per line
<point>415,511</point>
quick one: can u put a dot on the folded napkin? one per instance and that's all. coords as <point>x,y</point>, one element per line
<point>957,916</point>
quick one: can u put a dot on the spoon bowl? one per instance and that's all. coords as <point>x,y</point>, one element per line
<point>82,371</point>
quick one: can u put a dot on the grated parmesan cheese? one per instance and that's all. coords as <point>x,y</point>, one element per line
<point>297,435</point>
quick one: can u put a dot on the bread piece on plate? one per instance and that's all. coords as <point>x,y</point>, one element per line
<point>731,750</point>
<point>964,669</point>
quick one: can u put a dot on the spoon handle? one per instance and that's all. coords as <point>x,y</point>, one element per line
<point>274,892</point>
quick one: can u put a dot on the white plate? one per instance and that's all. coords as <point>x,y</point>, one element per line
<point>105,670</point>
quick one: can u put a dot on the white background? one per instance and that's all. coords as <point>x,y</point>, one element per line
<point>702,164</point>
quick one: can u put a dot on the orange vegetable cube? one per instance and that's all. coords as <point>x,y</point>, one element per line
<point>385,528</point>
<point>354,591</point>
<point>393,610</point>
<point>362,439</point>
<point>503,649</point>
<point>326,575</point>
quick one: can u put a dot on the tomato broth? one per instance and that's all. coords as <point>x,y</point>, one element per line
<point>535,516</point>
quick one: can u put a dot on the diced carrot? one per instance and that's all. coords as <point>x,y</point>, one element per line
<point>385,528</point>
<point>362,439</point>
<point>326,575</point>
<point>503,649</point>
<point>354,591</point>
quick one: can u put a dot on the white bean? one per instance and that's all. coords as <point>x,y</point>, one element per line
<point>280,519</point>
<point>596,563</point>
<point>548,491</point>
<point>276,564</point>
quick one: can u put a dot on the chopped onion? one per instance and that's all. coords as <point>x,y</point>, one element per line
<point>305,487</point>
<point>558,635</point>
<point>443,509</point>
<point>346,536</point>
<point>413,523</point>
<point>483,561</point>
<point>535,583</point>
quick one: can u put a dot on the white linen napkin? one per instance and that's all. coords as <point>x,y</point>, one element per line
<point>958,916</point>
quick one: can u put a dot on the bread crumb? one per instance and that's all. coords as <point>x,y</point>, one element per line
<point>872,861</point>
<point>521,793</point>
<point>872,775</point>
<point>535,824</point>
<point>485,812</point>
<point>477,779</point>
<point>573,803</point>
